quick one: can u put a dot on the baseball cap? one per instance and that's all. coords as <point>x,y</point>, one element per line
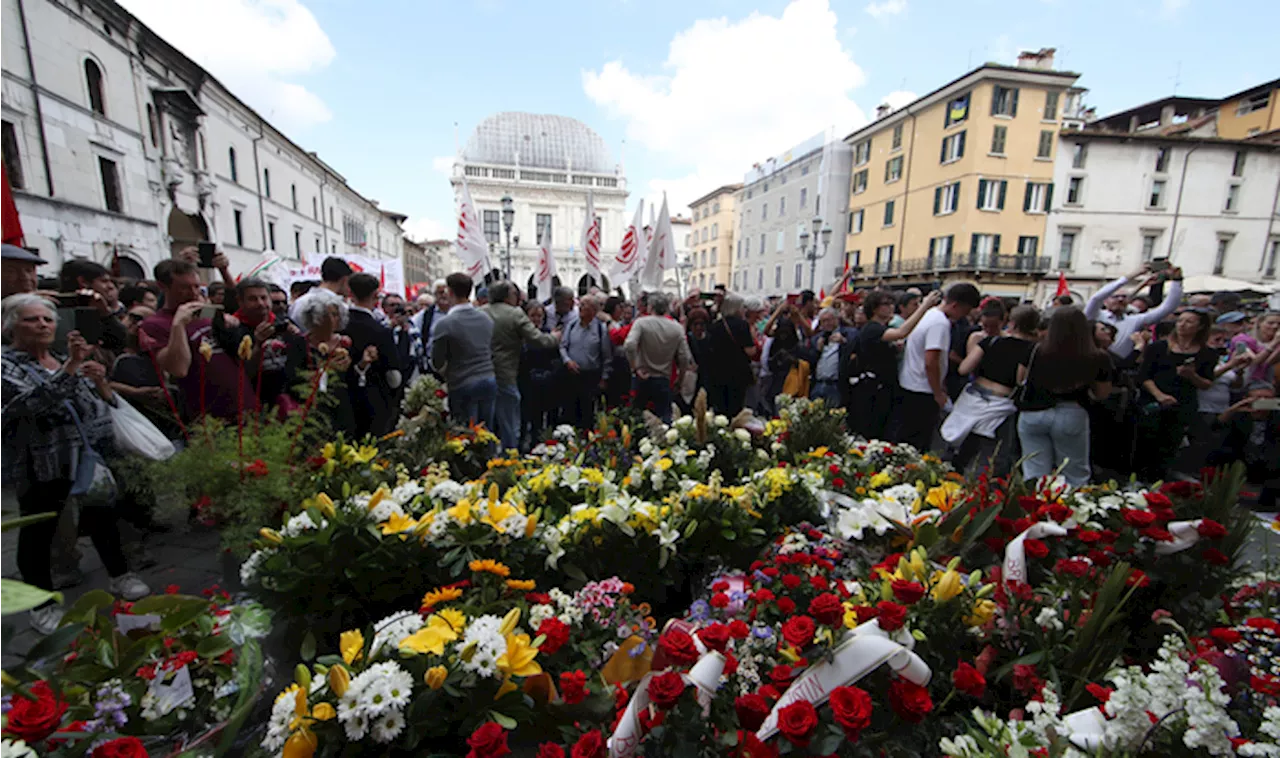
<point>1231,317</point>
<point>15,253</point>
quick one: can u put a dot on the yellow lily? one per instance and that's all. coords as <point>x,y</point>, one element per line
<point>519,658</point>
<point>301,744</point>
<point>339,679</point>
<point>398,523</point>
<point>497,513</point>
<point>460,512</point>
<point>431,638</point>
<point>270,535</point>
<point>509,622</point>
<point>325,505</point>
<point>351,643</point>
<point>982,612</point>
<point>436,676</point>
<point>947,586</point>
<point>377,497</point>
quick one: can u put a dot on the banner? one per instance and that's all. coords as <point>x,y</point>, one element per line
<point>630,258</point>
<point>389,270</point>
<point>591,239</point>
<point>472,249</point>
<point>662,252</point>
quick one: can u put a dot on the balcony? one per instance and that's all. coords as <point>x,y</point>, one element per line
<point>974,263</point>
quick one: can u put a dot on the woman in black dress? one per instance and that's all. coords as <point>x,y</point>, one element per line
<point>1173,370</point>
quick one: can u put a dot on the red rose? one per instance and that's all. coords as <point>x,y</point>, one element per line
<point>550,750</point>
<point>851,707</point>
<point>906,592</point>
<point>827,609</point>
<point>1259,622</point>
<point>1030,504</point>
<point>819,583</point>
<point>892,616</point>
<point>910,701</point>
<point>33,720</point>
<point>715,637</point>
<point>786,605</point>
<point>590,745</point>
<point>790,581</point>
<point>1025,678</point>
<point>665,689</point>
<point>752,710</point>
<point>573,687</point>
<point>556,633</point>
<point>738,629</point>
<point>1156,533</point>
<point>719,585</point>
<point>969,680</point>
<point>1215,557</point>
<point>838,483</point>
<point>797,722</point>
<point>1211,530</point>
<point>1225,636</point>
<point>763,596</point>
<point>798,631</point>
<point>121,747</point>
<point>770,572</point>
<point>1088,536</point>
<point>679,647</point>
<point>488,741</point>
<point>750,746</point>
<point>864,613</point>
<point>1103,694</point>
<point>1157,500</point>
<point>781,675</point>
<point>1035,548</point>
<point>1074,567</point>
<point>1180,489</point>
<point>1136,578</point>
<point>1137,519</point>
<point>719,600</point>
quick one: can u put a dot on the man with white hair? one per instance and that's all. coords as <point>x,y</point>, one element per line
<point>655,343</point>
<point>587,354</point>
<point>425,320</point>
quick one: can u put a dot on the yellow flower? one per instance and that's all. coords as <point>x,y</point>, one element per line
<point>351,643</point>
<point>206,350</point>
<point>325,504</point>
<point>328,451</point>
<point>531,525</point>
<point>270,535</point>
<point>460,512</point>
<point>519,658</point>
<point>301,744</point>
<point>440,595</point>
<point>364,453</point>
<point>245,351</point>
<point>946,586</point>
<point>521,585</point>
<point>323,712</point>
<point>497,513</point>
<point>398,523</point>
<point>455,618</point>
<point>943,496</point>
<point>431,638</point>
<point>339,679</point>
<point>880,479</point>
<point>377,497</point>
<point>818,452</point>
<point>982,612</point>
<point>509,622</point>
<point>665,463</point>
<point>436,676</point>
<point>487,565</point>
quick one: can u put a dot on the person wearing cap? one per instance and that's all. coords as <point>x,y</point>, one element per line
<point>1233,322</point>
<point>1116,307</point>
<point>19,270</point>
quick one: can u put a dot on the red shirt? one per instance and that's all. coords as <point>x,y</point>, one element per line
<point>221,373</point>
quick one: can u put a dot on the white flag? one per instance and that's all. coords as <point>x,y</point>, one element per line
<point>546,271</point>
<point>662,251</point>
<point>472,248</point>
<point>591,240</point>
<point>630,258</point>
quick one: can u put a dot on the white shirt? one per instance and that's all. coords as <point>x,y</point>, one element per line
<point>1217,398</point>
<point>829,362</point>
<point>933,332</point>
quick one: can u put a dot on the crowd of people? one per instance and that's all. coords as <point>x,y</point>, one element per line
<point>1135,381</point>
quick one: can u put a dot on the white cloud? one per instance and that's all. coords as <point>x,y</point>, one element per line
<point>712,125</point>
<point>254,47</point>
<point>899,98</point>
<point>421,228</point>
<point>1170,8</point>
<point>887,8</point>
<point>443,164</point>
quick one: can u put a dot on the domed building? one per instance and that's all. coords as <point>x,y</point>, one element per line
<point>547,164</point>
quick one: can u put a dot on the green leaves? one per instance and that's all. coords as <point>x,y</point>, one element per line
<point>16,597</point>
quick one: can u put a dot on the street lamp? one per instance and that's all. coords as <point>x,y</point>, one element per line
<point>508,217</point>
<point>812,253</point>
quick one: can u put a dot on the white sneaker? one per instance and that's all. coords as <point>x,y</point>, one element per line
<point>129,587</point>
<point>45,620</point>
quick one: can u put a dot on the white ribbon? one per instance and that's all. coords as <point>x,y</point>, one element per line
<point>1185,534</point>
<point>704,676</point>
<point>863,650</point>
<point>1015,553</point>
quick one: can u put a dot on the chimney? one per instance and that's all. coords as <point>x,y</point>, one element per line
<point>882,110</point>
<point>1166,115</point>
<point>1042,59</point>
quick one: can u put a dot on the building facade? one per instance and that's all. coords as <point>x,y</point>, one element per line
<point>676,279</point>
<point>711,243</point>
<point>958,184</point>
<point>777,205</point>
<point>121,149</point>
<point>1208,205</point>
<point>547,164</point>
<point>1252,113</point>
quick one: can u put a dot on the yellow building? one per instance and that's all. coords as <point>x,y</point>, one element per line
<point>1250,113</point>
<point>957,184</point>
<point>711,243</point>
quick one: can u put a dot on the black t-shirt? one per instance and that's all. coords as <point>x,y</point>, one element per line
<point>960,331</point>
<point>1047,383</point>
<point>1160,364</point>
<point>875,355</point>
<point>1001,357</point>
<point>728,338</point>
<point>135,371</point>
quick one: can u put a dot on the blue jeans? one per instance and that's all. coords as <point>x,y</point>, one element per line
<point>653,394</point>
<point>474,401</point>
<point>1052,438</point>
<point>828,391</point>
<point>507,416</point>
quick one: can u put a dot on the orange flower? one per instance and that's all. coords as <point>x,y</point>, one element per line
<point>521,585</point>
<point>487,565</point>
<point>440,595</point>
<point>628,588</point>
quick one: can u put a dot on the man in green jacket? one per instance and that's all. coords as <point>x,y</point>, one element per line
<point>511,330</point>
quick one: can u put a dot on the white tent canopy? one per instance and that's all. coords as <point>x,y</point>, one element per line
<point>1211,283</point>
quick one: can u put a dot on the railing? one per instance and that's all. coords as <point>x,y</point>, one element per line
<point>959,262</point>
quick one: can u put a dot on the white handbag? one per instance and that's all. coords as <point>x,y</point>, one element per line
<point>136,434</point>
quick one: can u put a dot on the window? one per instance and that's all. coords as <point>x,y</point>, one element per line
<point>952,148</point>
<point>715,231</point>
<point>297,243</point>
<point>1075,190</point>
<point>492,225</point>
<point>1237,165</point>
<point>543,229</point>
<point>706,233</point>
<point>760,279</point>
<point>860,182</point>
<point>764,211</point>
<point>317,244</point>
<point>1220,258</point>
<point>333,248</point>
<point>897,137</point>
<point>946,198</point>
<point>957,110</point>
<point>991,194</point>
<point>231,164</point>
<point>739,254</point>
<point>780,241</point>
<point>237,218</point>
<point>1272,259</point>
<point>888,213</point>
<point>940,251</point>
<point>853,260</point>
<point>1028,246</point>
<point>1004,101</point>
<point>765,188</point>
<point>998,136</point>
<point>804,196</point>
<point>983,248</point>
<point>1255,103</point>
<point>1149,242</point>
<point>799,280</point>
<point>762,244</point>
<point>782,206</point>
<point>855,221</point>
<point>293,195</point>
<point>1045,149</point>
<point>715,253</point>
<point>1078,152</point>
<point>111,194</point>
<point>266,181</point>
<point>1066,249</point>
<point>704,259</point>
<point>12,158</point>
<point>204,159</point>
<point>862,152</point>
<point>1233,198</point>
<point>335,226</point>
<point>884,259</point>
<point>715,207</point>
<point>1050,106</point>
<point>271,235</point>
<point>893,169</point>
<point>1156,200</point>
<point>1038,198</point>
<point>1162,160</point>
<point>315,209</point>
<point>777,276</point>
<point>153,128</point>
<point>93,78</point>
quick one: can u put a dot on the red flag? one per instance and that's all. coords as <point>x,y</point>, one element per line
<point>382,277</point>
<point>9,216</point>
<point>1062,285</point>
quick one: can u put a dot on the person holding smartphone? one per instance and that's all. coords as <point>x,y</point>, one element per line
<point>1252,428</point>
<point>1172,373</point>
<point>1116,303</point>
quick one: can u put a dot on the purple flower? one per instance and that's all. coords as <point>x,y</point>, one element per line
<point>762,632</point>
<point>700,610</point>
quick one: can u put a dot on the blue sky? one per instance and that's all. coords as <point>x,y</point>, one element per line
<point>698,89</point>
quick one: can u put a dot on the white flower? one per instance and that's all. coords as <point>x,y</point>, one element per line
<point>672,436</point>
<point>667,536</point>
<point>448,491</point>
<point>392,629</point>
<point>388,727</point>
<point>16,749</point>
<point>722,421</point>
<point>539,613</point>
<point>249,569</point>
<point>301,523</point>
<point>742,434</point>
<point>851,522</point>
<point>1048,619</point>
<point>485,633</point>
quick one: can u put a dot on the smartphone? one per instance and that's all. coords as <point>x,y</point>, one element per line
<point>89,323</point>
<point>1266,404</point>
<point>280,327</point>
<point>208,311</point>
<point>1159,264</point>
<point>73,300</point>
<point>207,251</point>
